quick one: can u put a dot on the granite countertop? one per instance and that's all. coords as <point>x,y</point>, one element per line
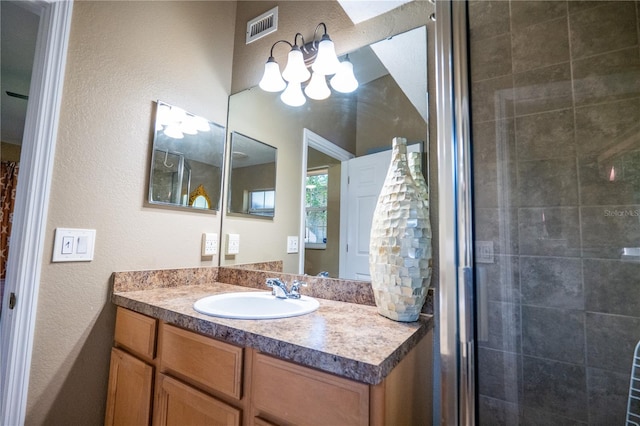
<point>348,339</point>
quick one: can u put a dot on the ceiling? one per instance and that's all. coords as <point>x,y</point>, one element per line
<point>359,11</point>
<point>18,32</point>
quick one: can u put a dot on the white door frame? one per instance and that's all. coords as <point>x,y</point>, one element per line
<point>317,142</point>
<point>31,206</point>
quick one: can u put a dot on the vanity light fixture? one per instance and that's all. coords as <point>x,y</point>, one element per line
<point>321,57</point>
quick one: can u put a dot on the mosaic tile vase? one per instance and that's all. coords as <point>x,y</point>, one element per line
<point>414,160</point>
<point>400,245</point>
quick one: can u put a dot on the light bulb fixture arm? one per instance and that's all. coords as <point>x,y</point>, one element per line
<point>274,45</point>
<point>310,49</point>
<point>295,41</point>
<point>315,33</point>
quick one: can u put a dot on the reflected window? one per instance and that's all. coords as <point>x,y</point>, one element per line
<point>317,186</point>
<point>262,203</point>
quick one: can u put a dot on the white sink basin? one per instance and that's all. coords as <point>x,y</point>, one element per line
<point>254,305</point>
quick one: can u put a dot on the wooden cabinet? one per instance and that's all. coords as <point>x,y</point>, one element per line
<point>179,404</point>
<point>292,394</point>
<point>200,380</point>
<point>210,364</point>
<point>136,333</point>
<point>130,384</point>
<point>129,398</point>
<point>287,394</point>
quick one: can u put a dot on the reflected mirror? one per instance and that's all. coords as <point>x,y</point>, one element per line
<point>252,181</point>
<point>320,141</point>
<point>187,159</point>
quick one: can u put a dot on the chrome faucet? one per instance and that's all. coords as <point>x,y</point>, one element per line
<point>279,288</point>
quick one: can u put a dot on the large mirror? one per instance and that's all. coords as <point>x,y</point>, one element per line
<point>325,143</point>
<point>187,160</point>
<point>252,180</point>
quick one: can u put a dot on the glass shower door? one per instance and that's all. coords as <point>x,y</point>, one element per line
<point>555,90</point>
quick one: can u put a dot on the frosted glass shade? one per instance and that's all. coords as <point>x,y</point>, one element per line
<point>293,95</point>
<point>271,79</point>
<point>344,81</point>
<point>326,62</point>
<point>173,131</point>
<point>295,71</point>
<point>317,88</point>
<point>201,124</point>
<point>188,126</point>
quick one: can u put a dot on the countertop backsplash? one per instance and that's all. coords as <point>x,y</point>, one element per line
<point>252,276</point>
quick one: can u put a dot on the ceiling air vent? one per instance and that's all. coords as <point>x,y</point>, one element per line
<point>262,25</point>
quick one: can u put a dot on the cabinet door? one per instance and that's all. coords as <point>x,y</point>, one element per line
<point>129,395</point>
<point>180,405</point>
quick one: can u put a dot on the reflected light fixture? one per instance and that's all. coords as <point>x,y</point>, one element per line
<point>321,57</point>
<point>292,95</point>
<point>317,88</point>
<point>344,81</point>
<point>176,122</point>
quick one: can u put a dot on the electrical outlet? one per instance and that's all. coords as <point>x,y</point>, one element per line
<point>292,244</point>
<point>484,252</point>
<point>233,243</point>
<point>209,244</point>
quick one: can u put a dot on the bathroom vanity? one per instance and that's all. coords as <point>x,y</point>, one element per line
<point>341,365</point>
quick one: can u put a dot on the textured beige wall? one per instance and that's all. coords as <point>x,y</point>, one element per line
<point>122,57</point>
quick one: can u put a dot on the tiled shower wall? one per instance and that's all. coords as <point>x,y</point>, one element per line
<point>556,145</point>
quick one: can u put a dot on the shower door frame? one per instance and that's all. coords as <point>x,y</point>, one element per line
<point>455,387</point>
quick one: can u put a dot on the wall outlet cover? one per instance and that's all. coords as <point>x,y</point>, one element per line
<point>233,244</point>
<point>209,244</point>
<point>292,244</point>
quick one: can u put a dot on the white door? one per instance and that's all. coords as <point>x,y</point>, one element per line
<point>365,177</point>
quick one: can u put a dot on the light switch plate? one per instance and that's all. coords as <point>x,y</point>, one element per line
<point>73,245</point>
<point>292,244</point>
<point>233,244</point>
<point>209,244</point>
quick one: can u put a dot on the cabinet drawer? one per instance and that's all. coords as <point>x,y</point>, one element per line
<point>136,332</point>
<point>292,394</point>
<point>203,361</point>
<point>180,404</point>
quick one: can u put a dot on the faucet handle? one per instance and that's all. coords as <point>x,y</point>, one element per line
<point>273,281</point>
<point>278,288</point>
<point>295,287</point>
